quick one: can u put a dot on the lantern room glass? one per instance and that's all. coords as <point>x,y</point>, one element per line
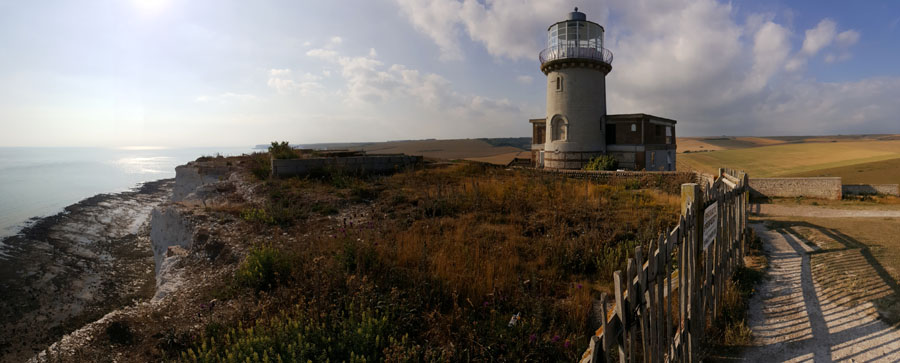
<point>568,36</point>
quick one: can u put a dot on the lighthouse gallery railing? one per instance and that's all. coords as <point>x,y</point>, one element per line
<point>594,53</point>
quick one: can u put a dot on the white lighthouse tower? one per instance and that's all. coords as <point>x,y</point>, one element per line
<point>576,64</point>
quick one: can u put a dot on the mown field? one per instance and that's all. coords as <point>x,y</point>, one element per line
<point>877,158</point>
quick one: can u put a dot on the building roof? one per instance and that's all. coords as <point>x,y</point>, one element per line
<point>638,115</point>
<point>538,120</point>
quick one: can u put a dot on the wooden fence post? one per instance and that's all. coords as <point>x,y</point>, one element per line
<point>691,205</point>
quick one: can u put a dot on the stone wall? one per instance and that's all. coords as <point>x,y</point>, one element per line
<point>864,189</point>
<point>823,188</point>
<point>355,164</point>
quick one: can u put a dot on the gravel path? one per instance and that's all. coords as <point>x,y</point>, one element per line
<point>796,319</point>
<point>812,211</point>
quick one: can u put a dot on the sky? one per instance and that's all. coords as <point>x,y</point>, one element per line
<point>227,72</point>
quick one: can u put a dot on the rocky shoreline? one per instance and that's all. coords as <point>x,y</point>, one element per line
<point>67,270</point>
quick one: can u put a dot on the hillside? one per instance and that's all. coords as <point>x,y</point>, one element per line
<point>807,157</point>
<point>423,265</point>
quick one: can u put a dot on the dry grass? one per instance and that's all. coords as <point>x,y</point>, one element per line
<point>451,254</point>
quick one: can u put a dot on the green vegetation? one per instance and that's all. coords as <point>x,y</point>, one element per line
<point>429,265</point>
<point>602,162</point>
<point>264,269</point>
<point>730,332</point>
<point>260,166</point>
<point>282,150</point>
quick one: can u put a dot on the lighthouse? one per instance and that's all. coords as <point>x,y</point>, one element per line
<point>576,127</point>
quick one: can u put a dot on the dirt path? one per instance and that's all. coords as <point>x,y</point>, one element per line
<point>822,212</point>
<point>797,318</point>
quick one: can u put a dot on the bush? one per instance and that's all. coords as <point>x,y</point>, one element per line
<point>282,150</point>
<point>260,166</point>
<point>264,269</point>
<point>119,333</point>
<point>602,162</point>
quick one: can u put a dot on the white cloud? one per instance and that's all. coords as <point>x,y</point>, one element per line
<point>370,81</point>
<point>506,28</point>
<point>525,79</point>
<point>228,97</point>
<point>819,37</point>
<point>324,54</point>
<point>335,40</point>
<point>848,38</point>
<point>283,81</point>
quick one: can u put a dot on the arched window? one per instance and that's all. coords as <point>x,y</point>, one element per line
<point>560,128</point>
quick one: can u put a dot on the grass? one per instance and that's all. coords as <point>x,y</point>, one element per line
<point>430,265</point>
<point>730,333</point>
<point>792,159</point>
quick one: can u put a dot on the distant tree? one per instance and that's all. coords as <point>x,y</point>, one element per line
<point>282,150</point>
<point>602,162</point>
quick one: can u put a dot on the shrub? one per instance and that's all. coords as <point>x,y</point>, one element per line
<point>602,162</point>
<point>260,166</point>
<point>257,215</point>
<point>264,269</point>
<point>119,333</point>
<point>282,150</point>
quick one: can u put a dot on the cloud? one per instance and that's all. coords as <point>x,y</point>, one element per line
<point>848,38</point>
<point>506,28</point>
<point>370,81</point>
<point>283,81</point>
<point>819,37</point>
<point>525,79</point>
<point>225,98</point>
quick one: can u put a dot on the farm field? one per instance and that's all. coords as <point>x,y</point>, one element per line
<point>886,171</point>
<point>792,159</point>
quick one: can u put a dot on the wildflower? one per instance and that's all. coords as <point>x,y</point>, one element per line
<point>485,304</point>
<point>532,338</point>
<point>567,344</point>
<point>555,338</point>
<point>579,286</point>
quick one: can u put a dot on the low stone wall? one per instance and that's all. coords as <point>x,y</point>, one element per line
<point>354,164</point>
<point>823,188</point>
<point>865,189</point>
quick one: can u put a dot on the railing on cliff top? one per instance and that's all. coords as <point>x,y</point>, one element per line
<point>660,311</point>
<point>594,53</point>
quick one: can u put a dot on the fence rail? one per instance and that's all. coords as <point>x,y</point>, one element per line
<point>665,297</point>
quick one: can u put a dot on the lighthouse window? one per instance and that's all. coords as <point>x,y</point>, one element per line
<point>559,83</point>
<point>559,129</point>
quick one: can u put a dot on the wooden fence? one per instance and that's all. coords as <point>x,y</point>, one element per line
<point>665,298</point>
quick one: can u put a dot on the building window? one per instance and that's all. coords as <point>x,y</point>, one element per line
<point>559,85</point>
<point>657,129</point>
<point>633,127</point>
<point>559,127</point>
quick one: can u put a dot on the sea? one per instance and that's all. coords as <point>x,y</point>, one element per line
<point>38,182</point>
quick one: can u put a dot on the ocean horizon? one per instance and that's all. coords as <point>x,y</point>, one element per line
<point>37,182</point>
